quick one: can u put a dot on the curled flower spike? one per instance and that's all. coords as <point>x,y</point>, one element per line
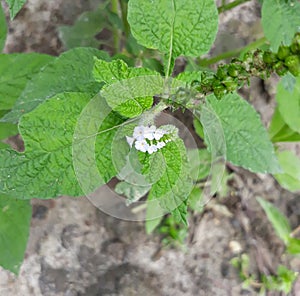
<point>148,138</point>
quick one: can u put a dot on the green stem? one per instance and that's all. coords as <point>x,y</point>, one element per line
<point>231,5</point>
<point>124,10</point>
<point>232,53</point>
<point>115,31</point>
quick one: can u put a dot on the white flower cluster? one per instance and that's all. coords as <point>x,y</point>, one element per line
<point>147,138</point>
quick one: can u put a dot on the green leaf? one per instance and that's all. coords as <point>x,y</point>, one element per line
<point>133,192</point>
<point>200,163</point>
<point>84,30</point>
<point>290,177</point>
<point>72,71</point>
<point>122,96</point>
<point>15,6</point>
<point>293,246</point>
<point>247,142</point>
<point>3,28</point>
<point>279,131</point>
<point>15,71</point>
<point>278,220</point>
<point>189,76</point>
<point>280,21</point>
<point>15,218</point>
<point>46,168</point>
<point>8,130</point>
<point>174,27</point>
<point>170,190</point>
<point>289,105</point>
<point>195,200</point>
<point>198,128</point>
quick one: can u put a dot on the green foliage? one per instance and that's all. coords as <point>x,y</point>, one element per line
<point>164,25</point>
<point>247,143</point>
<point>84,30</point>
<point>16,70</point>
<point>171,190</point>
<point>72,71</point>
<point>15,6</point>
<point>290,177</point>
<point>280,21</point>
<point>125,97</point>
<point>15,218</point>
<point>3,28</point>
<point>289,105</point>
<point>283,280</point>
<point>279,131</point>
<point>278,220</point>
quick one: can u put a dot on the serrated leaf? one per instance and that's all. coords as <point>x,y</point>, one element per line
<point>279,131</point>
<point>277,219</point>
<point>174,185</point>
<point>71,71</point>
<point>290,177</point>
<point>247,142</point>
<point>46,169</point>
<point>3,28</point>
<point>118,71</point>
<point>15,6</point>
<point>176,27</point>
<point>15,71</point>
<point>289,105</point>
<point>280,21</point>
<point>15,218</point>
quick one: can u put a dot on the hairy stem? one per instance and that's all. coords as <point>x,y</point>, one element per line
<point>232,53</point>
<point>231,5</point>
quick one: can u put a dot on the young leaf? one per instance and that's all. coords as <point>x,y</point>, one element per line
<point>15,218</point>
<point>3,28</point>
<point>72,71</point>
<point>15,71</point>
<point>278,220</point>
<point>279,131</point>
<point>290,177</point>
<point>123,96</point>
<point>280,21</point>
<point>15,6</point>
<point>247,142</point>
<point>293,246</point>
<point>289,105</point>
<point>46,168</point>
<point>174,27</point>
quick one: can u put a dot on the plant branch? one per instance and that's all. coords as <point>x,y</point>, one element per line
<point>124,10</point>
<point>232,53</point>
<point>231,5</point>
<point>115,31</point>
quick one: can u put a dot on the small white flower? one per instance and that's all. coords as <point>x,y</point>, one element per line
<point>130,141</point>
<point>160,145</point>
<point>149,132</point>
<point>159,133</point>
<point>142,145</point>
<point>138,133</point>
<point>152,148</point>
